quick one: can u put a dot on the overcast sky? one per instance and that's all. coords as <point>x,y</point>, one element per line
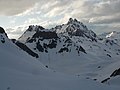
<point>99,15</point>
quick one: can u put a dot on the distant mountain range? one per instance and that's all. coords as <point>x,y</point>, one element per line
<point>70,48</point>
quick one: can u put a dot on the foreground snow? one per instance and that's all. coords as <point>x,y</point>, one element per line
<point>19,71</point>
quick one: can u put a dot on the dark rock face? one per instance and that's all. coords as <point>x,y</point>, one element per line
<point>40,36</point>
<point>37,28</point>
<point>14,40</point>
<point>25,48</point>
<point>76,28</point>
<point>2,39</point>
<point>31,40</point>
<point>45,35</point>
<point>105,80</point>
<point>70,21</point>
<point>52,44</point>
<point>30,28</point>
<point>111,42</point>
<point>68,40</point>
<point>63,49</point>
<point>79,33</point>
<point>115,73</point>
<point>39,47</point>
<point>80,49</point>
<point>41,28</point>
<point>108,55</point>
<point>2,30</point>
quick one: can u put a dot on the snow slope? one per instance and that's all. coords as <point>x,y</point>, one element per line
<point>73,49</point>
<point>19,71</point>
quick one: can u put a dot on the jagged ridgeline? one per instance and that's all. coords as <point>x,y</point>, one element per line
<point>70,48</point>
<point>59,37</point>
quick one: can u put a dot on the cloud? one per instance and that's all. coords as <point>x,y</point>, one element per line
<point>96,13</point>
<point>14,7</point>
<point>106,19</point>
<point>107,7</point>
<point>32,20</point>
<point>16,32</point>
<point>85,10</point>
<point>12,21</point>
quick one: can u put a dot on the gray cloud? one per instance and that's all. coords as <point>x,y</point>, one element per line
<point>14,7</point>
<point>16,32</point>
<point>106,19</point>
<point>107,7</point>
<point>95,12</point>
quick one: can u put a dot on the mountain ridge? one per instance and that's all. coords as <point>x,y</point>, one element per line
<point>73,44</point>
<point>20,71</point>
<point>71,48</point>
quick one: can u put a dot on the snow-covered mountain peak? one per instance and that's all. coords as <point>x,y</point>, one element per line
<point>109,35</point>
<point>35,28</point>
<point>72,28</point>
<point>30,32</point>
<point>65,38</point>
<point>113,36</point>
<point>75,28</point>
<point>73,21</point>
<point>77,23</point>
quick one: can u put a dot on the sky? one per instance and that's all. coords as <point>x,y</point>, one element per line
<point>99,15</point>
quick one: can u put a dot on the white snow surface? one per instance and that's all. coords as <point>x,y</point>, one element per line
<point>19,71</point>
<point>99,62</point>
